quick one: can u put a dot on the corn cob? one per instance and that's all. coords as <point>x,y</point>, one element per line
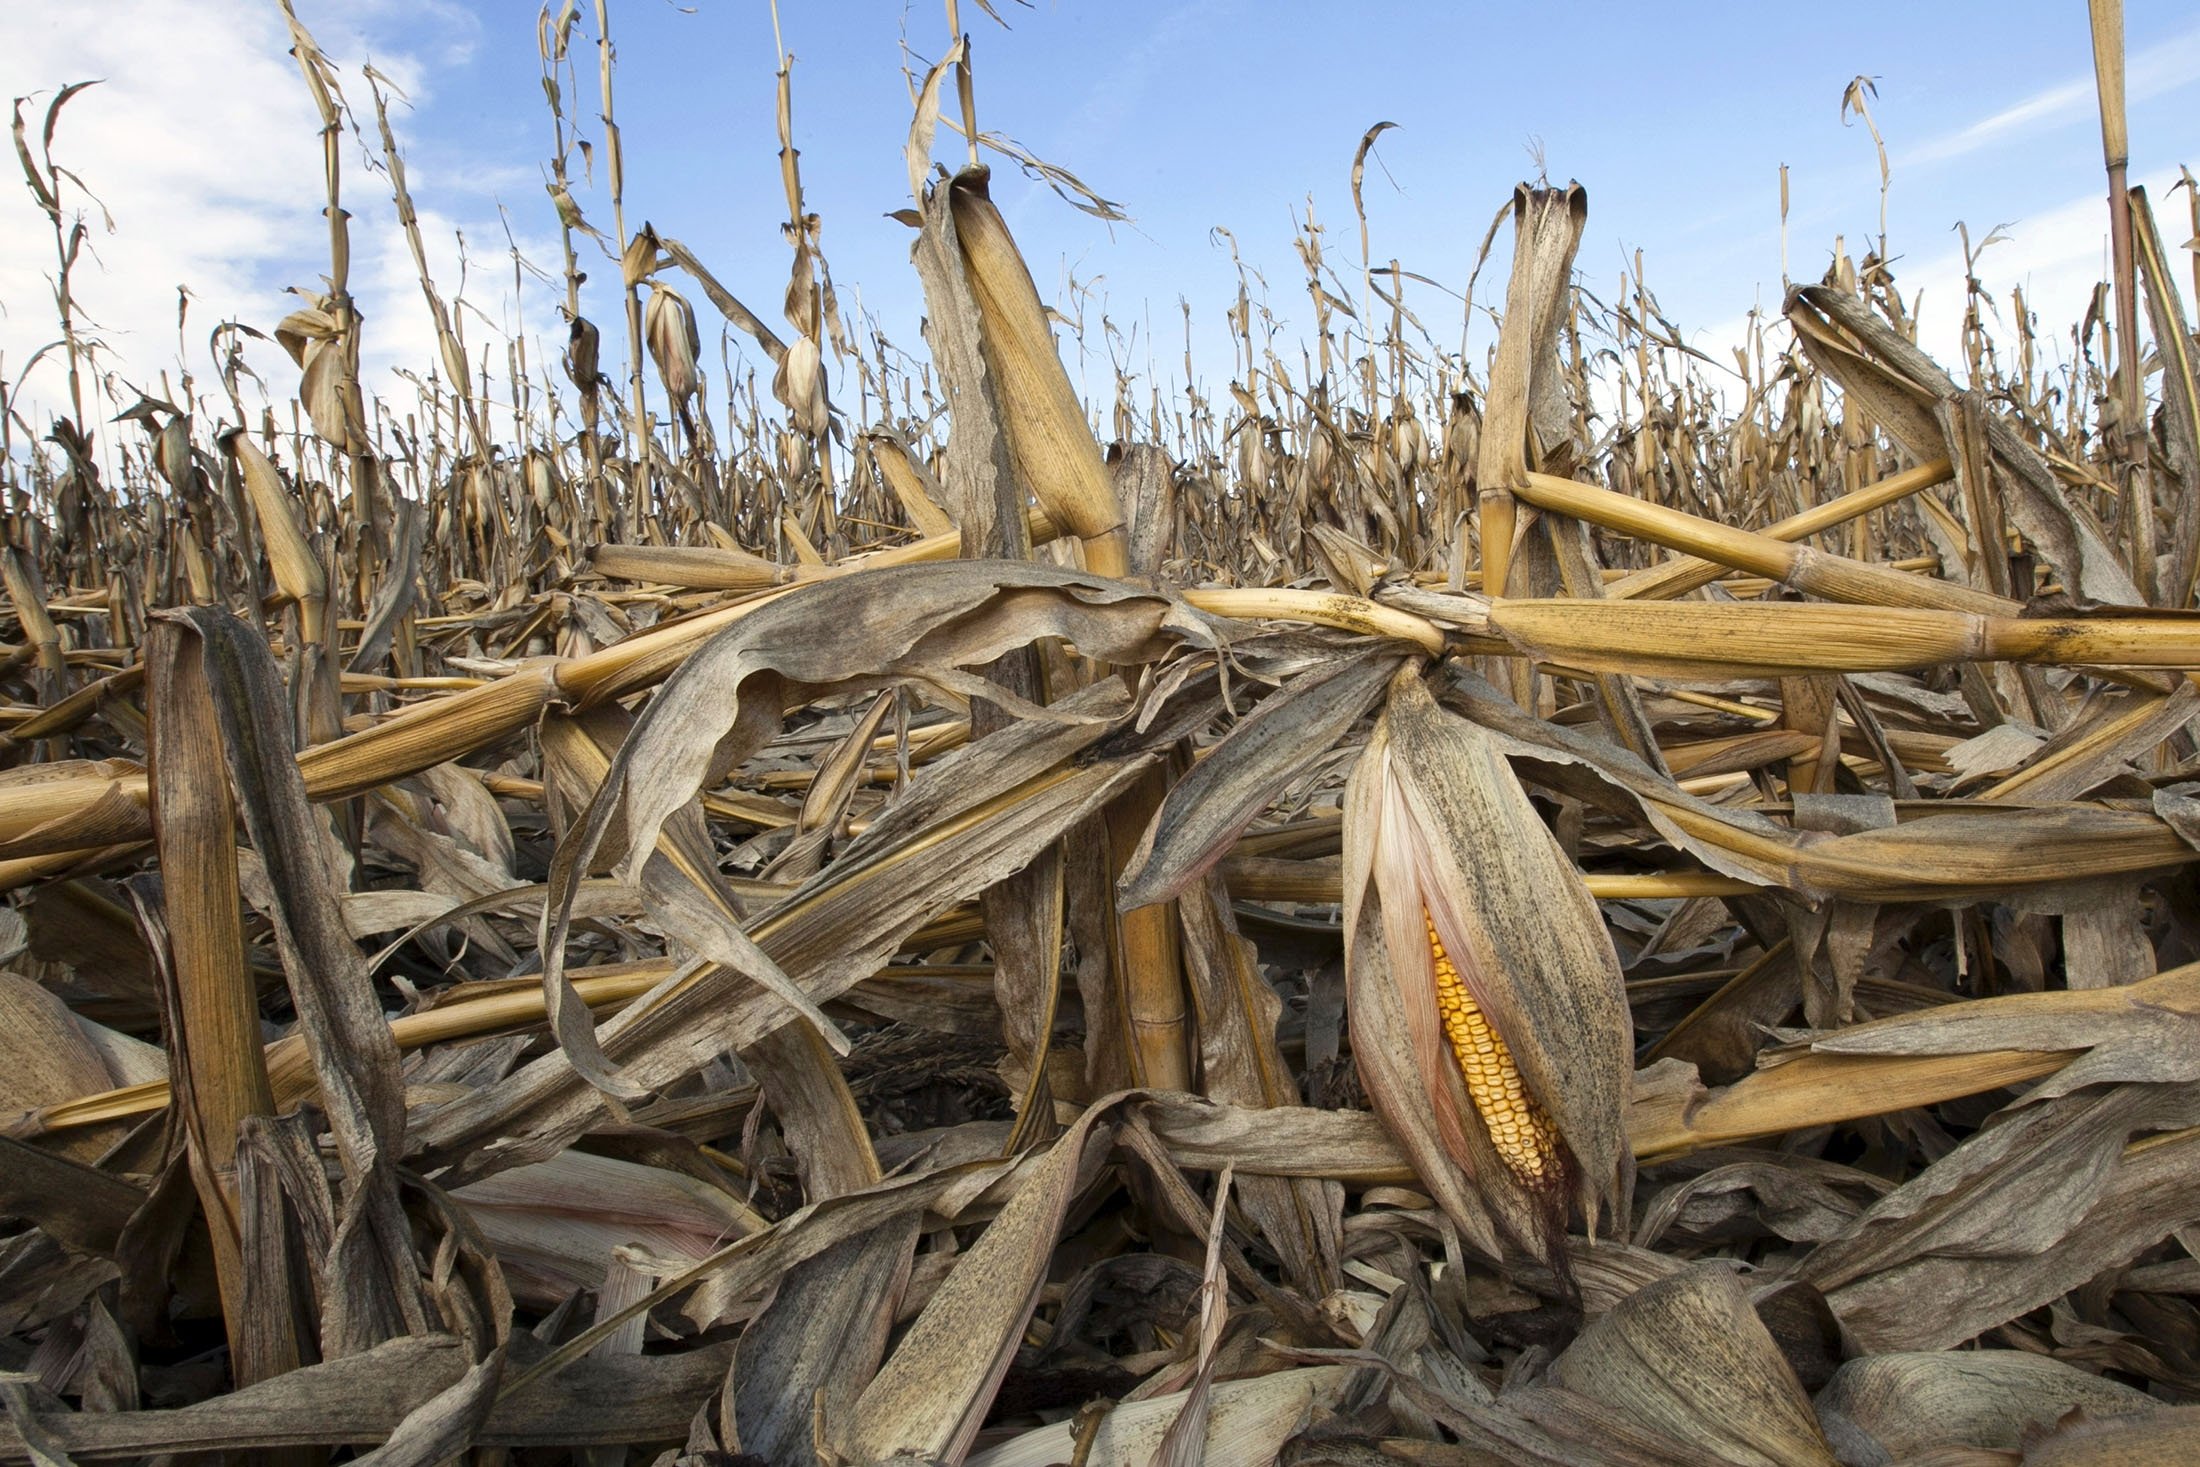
<point>1518,1127</point>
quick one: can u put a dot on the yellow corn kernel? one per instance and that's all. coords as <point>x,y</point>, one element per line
<point>1518,1127</point>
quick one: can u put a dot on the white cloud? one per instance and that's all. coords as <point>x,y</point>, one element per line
<point>2057,255</point>
<point>2060,103</point>
<point>2162,67</point>
<point>203,144</point>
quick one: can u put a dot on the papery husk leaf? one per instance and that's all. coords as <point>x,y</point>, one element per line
<point>799,384</point>
<point>1047,430</point>
<point>906,622</point>
<point>2165,1436</point>
<point>195,934</point>
<point>978,479</point>
<point>1525,396</point>
<point>1410,1082</point>
<point>46,1056</point>
<point>815,1346</point>
<point>668,326</point>
<point>76,1204</point>
<point>933,1393</point>
<point>828,936</point>
<point>298,571</point>
<point>2036,505</point>
<point>1248,1422</point>
<point>1241,1062</point>
<point>1689,1356</point>
<point>360,1399</point>
<point>2016,1216</point>
<point>1907,1402</point>
<point>554,1223</point>
<point>1961,853</point>
<point>374,1286</point>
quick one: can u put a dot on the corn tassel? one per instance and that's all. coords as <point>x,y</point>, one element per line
<point>1519,1128</point>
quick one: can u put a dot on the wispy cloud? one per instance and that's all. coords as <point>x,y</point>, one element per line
<point>1118,96</point>
<point>2162,67</point>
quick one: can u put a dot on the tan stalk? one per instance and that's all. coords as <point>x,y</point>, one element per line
<point>467,1012</point>
<point>640,479</point>
<point>1053,446</point>
<point>2180,398</point>
<point>1676,578</point>
<point>1547,225</point>
<point>2130,437</point>
<point>343,425</point>
<point>216,1017</point>
<point>408,220</point>
<point>1679,639</point>
<point>1682,639</point>
<point>1323,608</point>
<point>1834,577</point>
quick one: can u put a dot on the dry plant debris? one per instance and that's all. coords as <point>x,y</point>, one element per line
<point>1526,910</point>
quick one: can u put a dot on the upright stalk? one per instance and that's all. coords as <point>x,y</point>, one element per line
<point>44,178</point>
<point>2127,443</point>
<point>553,42</point>
<point>638,475</point>
<point>344,427</point>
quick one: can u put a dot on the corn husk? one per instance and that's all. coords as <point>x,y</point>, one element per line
<point>1439,832</point>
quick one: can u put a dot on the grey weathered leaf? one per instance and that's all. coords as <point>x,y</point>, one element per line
<point>1243,772</point>
<point>1689,1356</point>
<point>1892,1407</point>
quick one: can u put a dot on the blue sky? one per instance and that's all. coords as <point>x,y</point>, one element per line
<point>1226,113</point>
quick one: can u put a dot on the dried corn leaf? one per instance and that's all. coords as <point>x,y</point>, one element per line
<point>1689,1356</point>
<point>1895,1406</point>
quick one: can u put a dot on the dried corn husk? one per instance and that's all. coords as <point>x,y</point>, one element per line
<point>1440,836</point>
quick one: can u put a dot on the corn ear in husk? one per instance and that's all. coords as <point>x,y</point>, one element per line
<point>668,329</point>
<point>1489,1020</point>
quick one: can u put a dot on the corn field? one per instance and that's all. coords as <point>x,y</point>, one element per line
<point>1578,905</point>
